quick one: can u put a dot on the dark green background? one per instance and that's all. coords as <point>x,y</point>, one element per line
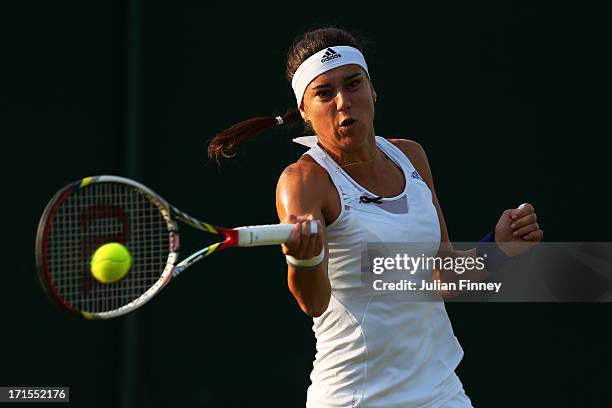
<point>507,99</point>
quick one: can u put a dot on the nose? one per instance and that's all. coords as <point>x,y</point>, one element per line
<point>343,101</point>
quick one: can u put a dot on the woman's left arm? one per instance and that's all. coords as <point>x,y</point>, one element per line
<point>518,225</point>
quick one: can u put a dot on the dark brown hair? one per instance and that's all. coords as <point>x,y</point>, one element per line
<point>306,45</point>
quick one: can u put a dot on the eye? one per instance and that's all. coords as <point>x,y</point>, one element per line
<point>354,83</point>
<point>323,93</point>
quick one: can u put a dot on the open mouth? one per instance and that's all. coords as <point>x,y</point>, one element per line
<point>346,123</point>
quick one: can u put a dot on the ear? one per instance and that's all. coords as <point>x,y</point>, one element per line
<point>303,112</point>
<point>374,95</point>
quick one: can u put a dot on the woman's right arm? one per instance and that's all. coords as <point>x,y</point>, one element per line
<point>300,195</point>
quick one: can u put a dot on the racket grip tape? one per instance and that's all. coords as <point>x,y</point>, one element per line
<point>257,235</point>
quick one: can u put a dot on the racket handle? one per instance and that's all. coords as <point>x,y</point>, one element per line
<point>264,234</point>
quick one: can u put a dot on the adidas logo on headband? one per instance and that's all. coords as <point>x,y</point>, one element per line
<point>330,55</point>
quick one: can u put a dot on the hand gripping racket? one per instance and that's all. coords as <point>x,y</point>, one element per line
<point>94,211</point>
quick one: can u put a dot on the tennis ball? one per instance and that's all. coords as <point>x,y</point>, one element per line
<point>110,262</point>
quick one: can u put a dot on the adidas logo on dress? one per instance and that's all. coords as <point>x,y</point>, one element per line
<point>330,55</point>
<point>416,175</point>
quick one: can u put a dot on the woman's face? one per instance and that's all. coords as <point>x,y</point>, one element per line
<point>339,104</point>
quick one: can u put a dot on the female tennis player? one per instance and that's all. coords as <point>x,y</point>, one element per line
<point>358,187</point>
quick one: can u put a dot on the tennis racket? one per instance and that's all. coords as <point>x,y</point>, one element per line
<point>94,211</point>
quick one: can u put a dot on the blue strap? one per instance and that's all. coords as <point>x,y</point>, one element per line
<point>495,258</point>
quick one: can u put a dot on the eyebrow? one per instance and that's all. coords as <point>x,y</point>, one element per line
<point>314,88</point>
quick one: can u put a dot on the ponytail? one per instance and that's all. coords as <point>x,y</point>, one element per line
<point>224,142</point>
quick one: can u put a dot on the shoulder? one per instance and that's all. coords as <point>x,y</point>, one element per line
<point>304,178</point>
<point>416,153</point>
<point>303,187</point>
<point>412,149</point>
<point>304,172</point>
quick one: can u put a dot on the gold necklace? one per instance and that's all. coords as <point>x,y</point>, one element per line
<point>353,164</point>
<point>342,165</point>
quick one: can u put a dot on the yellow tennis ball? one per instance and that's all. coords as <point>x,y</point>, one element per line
<point>110,262</point>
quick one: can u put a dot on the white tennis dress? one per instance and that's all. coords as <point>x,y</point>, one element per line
<point>372,353</point>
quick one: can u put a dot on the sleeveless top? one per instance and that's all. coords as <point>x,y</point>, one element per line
<point>371,352</point>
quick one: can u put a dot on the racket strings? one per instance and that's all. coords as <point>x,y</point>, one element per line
<point>91,217</point>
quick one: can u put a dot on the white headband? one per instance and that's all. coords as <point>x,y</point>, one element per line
<point>323,61</point>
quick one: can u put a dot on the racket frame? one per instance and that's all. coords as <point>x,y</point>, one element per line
<point>242,236</point>
<point>44,229</point>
